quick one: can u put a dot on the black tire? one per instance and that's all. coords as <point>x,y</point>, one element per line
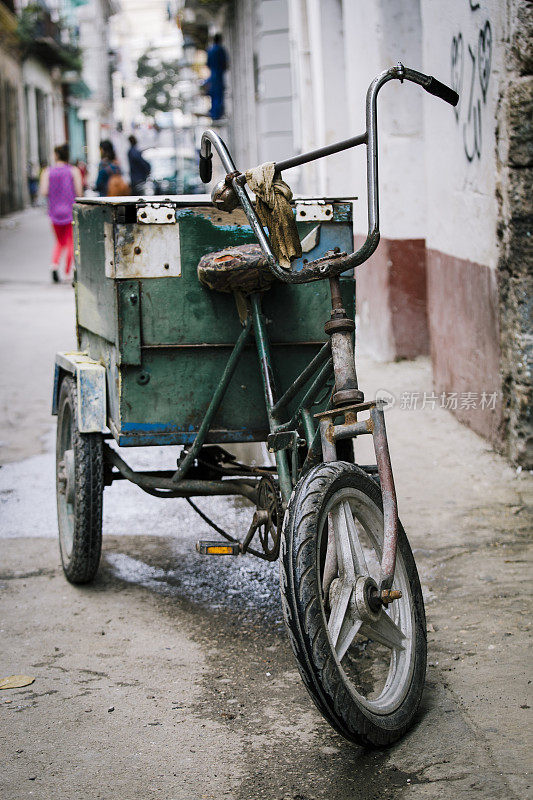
<point>79,490</point>
<point>338,687</point>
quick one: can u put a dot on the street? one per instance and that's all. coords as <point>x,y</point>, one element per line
<point>172,676</point>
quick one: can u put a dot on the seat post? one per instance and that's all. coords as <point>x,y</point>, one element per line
<point>340,328</point>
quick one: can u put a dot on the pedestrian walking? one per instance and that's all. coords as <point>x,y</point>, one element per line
<point>139,167</point>
<point>82,166</point>
<point>110,182</point>
<point>217,61</point>
<point>61,184</point>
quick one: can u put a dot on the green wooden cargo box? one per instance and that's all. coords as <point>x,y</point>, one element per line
<point>164,338</point>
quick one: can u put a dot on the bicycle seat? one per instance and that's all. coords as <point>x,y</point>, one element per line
<point>242,268</point>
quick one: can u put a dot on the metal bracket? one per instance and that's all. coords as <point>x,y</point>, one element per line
<point>284,440</point>
<point>156,214</point>
<point>310,241</point>
<point>281,440</point>
<point>313,211</point>
<point>90,386</point>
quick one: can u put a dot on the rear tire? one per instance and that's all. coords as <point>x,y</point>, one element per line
<point>79,490</point>
<point>371,693</point>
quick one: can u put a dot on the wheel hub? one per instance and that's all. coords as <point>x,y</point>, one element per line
<point>66,476</point>
<point>362,603</point>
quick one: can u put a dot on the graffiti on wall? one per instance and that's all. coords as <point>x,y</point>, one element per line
<point>470,76</point>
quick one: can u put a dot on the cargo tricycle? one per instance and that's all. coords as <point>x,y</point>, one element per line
<point>192,333</point>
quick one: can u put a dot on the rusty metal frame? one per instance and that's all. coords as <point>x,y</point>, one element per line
<point>330,434</point>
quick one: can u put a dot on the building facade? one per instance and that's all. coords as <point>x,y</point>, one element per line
<point>96,108</point>
<point>13,190</point>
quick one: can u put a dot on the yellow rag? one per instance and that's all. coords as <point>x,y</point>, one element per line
<point>273,198</point>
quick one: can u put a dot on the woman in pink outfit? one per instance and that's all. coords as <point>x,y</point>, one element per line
<point>61,183</point>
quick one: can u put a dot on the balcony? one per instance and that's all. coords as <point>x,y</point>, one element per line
<point>40,37</point>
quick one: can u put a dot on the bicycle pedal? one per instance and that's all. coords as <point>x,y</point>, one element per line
<point>207,548</point>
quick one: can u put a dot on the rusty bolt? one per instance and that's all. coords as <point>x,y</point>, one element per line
<point>388,596</point>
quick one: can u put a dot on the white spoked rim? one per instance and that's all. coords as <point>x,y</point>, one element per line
<point>379,645</point>
<point>65,483</point>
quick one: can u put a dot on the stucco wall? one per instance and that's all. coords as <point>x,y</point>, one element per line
<point>376,36</point>
<point>463,40</point>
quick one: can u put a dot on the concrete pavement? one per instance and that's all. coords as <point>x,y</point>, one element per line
<point>191,653</point>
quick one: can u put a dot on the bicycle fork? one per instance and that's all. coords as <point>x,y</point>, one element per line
<point>349,401</point>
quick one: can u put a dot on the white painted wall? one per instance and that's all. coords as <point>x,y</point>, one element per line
<point>326,39</point>
<point>461,178</point>
<point>377,36</point>
<point>259,83</point>
<point>274,80</point>
<point>429,187</point>
<point>240,85</point>
<point>36,75</point>
<point>96,110</point>
<point>339,46</point>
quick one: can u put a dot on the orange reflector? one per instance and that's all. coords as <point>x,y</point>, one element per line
<point>220,550</point>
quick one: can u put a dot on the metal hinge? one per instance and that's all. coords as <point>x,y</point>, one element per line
<point>156,214</point>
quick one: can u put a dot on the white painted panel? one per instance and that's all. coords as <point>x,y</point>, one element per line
<point>276,147</point>
<point>276,82</point>
<point>273,15</point>
<point>273,49</point>
<point>275,117</point>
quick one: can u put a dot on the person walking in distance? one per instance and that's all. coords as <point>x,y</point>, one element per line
<point>217,61</point>
<point>61,184</point>
<point>139,167</point>
<point>110,182</point>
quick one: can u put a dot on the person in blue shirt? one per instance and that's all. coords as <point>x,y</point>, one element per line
<point>108,166</point>
<point>139,167</point>
<point>217,61</point>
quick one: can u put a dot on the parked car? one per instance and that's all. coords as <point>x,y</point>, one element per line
<point>171,173</point>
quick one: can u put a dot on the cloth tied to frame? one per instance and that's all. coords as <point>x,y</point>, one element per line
<point>273,207</point>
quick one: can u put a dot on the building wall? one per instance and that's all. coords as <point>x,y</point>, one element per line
<point>260,81</point>
<point>13,188</point>
<point>433,284</point>
<point>515,226</point>
<point>391,286</point>
<point>97,110</point>
<point>45,124</point>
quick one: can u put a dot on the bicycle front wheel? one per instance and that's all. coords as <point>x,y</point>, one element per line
<point>363,664</point>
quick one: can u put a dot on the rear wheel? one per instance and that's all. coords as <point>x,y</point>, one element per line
<point>362,663</point>
<point>79,490</point>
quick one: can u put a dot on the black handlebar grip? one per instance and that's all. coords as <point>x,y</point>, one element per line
<point>206,168</point>
<point>433,86</point>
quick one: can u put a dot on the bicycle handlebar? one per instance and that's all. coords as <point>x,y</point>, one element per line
<point>432,85</point>
<point>331,264</point>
